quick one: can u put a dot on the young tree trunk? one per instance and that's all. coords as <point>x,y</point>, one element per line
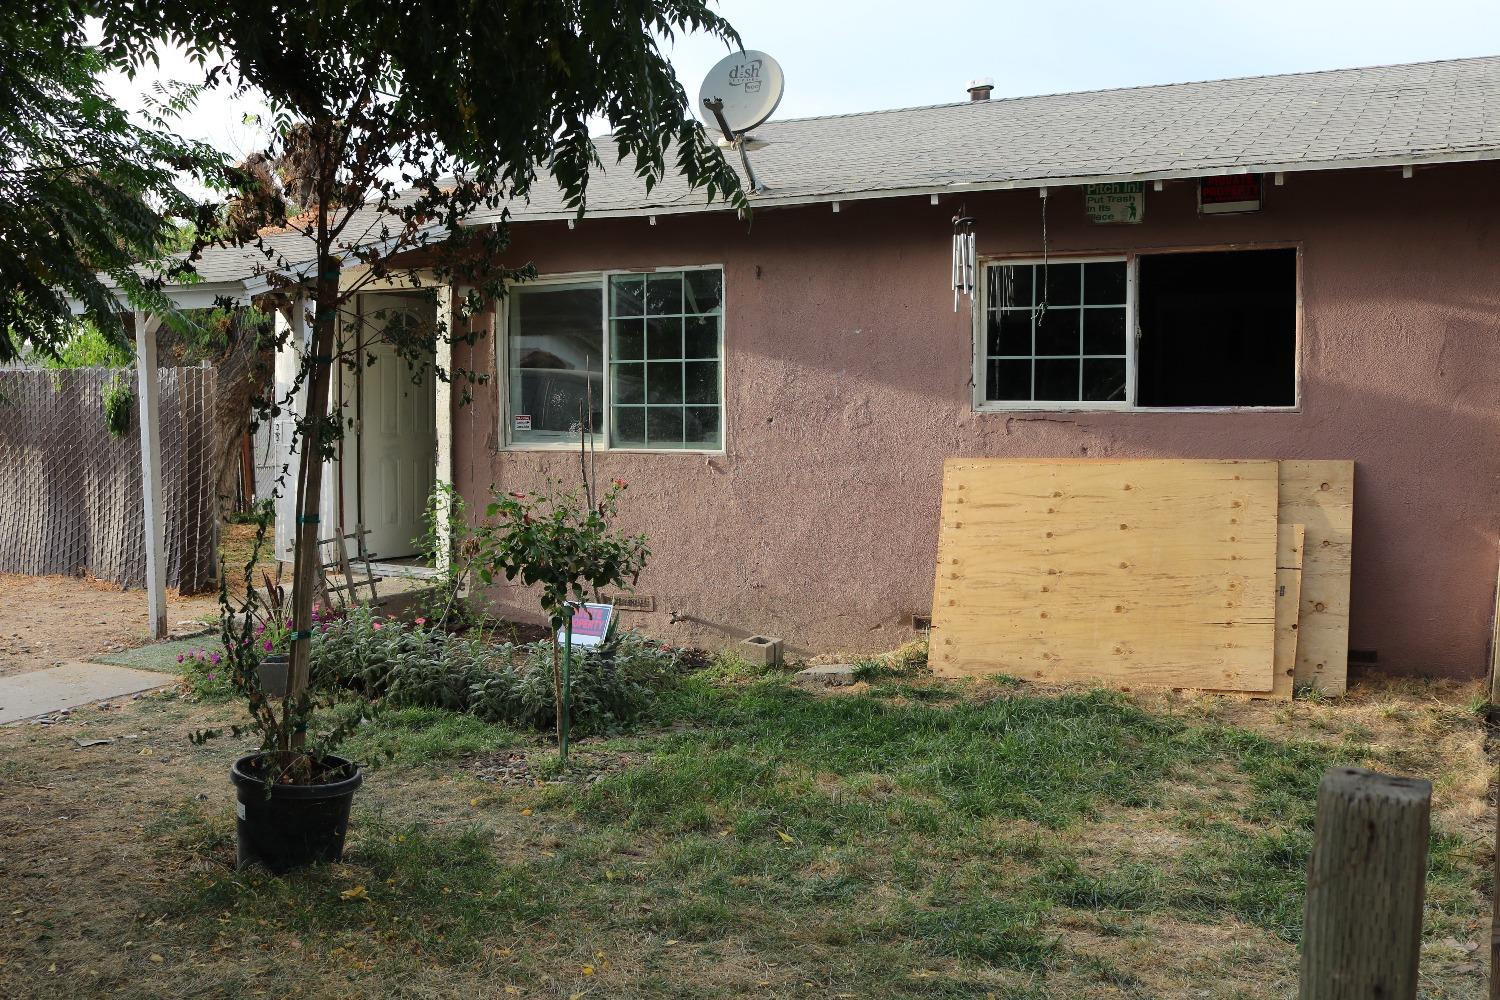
<point>557,691</point>
<point>306,559</point>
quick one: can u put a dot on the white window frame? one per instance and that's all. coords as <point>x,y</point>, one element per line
<point>979,368</point>
<point>981,338</point>
<point>602,433</point>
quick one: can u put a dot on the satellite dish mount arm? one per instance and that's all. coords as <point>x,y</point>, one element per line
<point>716,106</point>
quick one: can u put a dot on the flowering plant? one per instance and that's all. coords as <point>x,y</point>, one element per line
<point>258,628</point>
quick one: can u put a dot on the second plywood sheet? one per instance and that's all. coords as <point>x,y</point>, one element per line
<point>1158,573</point>
<point>1320,495</point>
<point>1290,540</point>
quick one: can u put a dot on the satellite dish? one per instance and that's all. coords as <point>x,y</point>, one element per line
<point>749,84</point>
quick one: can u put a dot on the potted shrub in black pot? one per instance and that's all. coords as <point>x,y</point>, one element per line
<point>293,794</point>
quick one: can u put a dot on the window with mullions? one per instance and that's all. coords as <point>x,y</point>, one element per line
<point>665,332</point>
<point>1056,332</point>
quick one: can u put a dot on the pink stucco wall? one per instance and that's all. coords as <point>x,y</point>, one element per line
<point>847,384</point>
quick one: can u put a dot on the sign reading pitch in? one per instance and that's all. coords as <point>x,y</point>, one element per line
<point>1112,203</point>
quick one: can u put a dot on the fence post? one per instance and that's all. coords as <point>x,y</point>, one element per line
<point>147,391</point>
<point>1362,930</point>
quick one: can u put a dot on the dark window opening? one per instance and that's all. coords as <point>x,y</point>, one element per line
<point>1217,329</point>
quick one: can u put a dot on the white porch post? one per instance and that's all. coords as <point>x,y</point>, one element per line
<point>443,403</point>
<point>150,420</point>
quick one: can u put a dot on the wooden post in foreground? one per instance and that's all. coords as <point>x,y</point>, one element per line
<point>1495,918</point>
<point>150,420</point>
<point>1362,932</point>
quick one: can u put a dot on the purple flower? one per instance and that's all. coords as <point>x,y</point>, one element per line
<point>260,627</point>
<point>214,659</point>
<point>268,645</point>
<point>213,676</point>
<point>179,657</point>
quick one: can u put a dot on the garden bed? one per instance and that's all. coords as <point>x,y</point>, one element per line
<point>898,838</point>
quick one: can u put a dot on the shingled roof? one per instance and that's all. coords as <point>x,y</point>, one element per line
<point>1409,114</point>
<point>1386,115</point>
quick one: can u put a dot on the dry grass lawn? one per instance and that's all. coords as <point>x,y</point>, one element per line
<point>903,838</point>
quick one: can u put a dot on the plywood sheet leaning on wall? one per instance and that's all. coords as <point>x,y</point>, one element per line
<point>1289,547</point>
<point>1155,573</point>
<point>1320,496</point>
<point>1289,544</point>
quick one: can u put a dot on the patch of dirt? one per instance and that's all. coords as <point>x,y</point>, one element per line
<point>46,620</point>
<point>1159,955</point>
<point>510,767</point>
<point>1424,727</point>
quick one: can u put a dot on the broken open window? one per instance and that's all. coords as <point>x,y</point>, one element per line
<point>1217,329</point>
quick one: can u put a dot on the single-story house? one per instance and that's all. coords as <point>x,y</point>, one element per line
<point>1299,266</point>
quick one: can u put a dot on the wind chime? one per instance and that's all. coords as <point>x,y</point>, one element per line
<point>964,261</point>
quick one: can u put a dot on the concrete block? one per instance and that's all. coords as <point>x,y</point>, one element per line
<point>762,650</point>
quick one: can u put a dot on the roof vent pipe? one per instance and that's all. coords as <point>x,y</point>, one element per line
<point>979,90</point>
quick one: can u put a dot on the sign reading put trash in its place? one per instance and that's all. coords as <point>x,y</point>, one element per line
<point>1111,203</point>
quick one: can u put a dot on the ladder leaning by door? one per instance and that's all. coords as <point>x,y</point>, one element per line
<point>346,592</point>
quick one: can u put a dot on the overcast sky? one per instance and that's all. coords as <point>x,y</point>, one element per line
<point>841,57</point>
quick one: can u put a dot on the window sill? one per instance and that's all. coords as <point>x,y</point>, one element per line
<point>573,449</point>
<point>1012,409</point>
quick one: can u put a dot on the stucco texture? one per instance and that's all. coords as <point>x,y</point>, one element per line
<point>847,379</point>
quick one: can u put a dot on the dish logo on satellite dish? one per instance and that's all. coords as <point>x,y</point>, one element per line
<point>747,76</point>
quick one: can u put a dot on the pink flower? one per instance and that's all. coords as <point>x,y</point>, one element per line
<point>268,645</point>
<point>213,677</point>
<point>620,484</point>
<point>259,628</point>
<point>375,626</point>
<point>179,657</point>
<point>421,621</point>
<point>214,659</point>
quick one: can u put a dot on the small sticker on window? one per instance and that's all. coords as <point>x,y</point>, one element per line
<point>523,421</point>
<point>239,809</point>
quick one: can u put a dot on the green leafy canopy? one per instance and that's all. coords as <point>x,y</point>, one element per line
<point>83,189</point>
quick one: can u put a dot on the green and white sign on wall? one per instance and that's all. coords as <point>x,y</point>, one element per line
<point>1111,203</point>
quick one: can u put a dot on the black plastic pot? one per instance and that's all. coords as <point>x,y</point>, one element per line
<point>295,825</point>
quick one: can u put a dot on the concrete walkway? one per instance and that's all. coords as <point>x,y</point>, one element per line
<point>40,692</point>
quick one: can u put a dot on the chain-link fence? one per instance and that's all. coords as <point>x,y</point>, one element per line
<point>70,490</point>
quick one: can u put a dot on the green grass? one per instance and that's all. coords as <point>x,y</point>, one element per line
<point>162,656</point>
<point>916,840</point>
<point>434,893</point>
<point>425,737</point>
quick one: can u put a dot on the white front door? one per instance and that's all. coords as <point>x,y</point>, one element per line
<point>397,445</point>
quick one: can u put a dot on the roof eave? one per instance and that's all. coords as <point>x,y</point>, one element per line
<point>771,200</point>
<point>202,295</point>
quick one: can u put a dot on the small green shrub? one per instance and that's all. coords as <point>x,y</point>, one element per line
<point>117,402</point>
<point>413,665</point>
<point>611,685</point>
<point>261,512</point>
